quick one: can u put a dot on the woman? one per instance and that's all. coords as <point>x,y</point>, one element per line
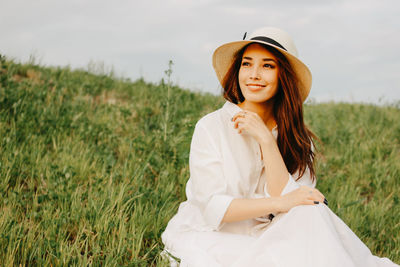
<point>251,196</point>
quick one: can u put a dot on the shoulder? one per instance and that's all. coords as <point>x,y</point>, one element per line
<point>219,118</point>
<point>210,121</point>
<point>209,129</point>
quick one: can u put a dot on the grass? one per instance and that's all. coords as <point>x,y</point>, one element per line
<point>92,167</point>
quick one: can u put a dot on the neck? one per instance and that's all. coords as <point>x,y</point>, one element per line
<point>264,109</point>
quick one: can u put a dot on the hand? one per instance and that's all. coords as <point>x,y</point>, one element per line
<point>252,123</point>
<point>304,195</point>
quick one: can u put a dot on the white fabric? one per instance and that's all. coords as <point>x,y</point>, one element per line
<point>225,165</point>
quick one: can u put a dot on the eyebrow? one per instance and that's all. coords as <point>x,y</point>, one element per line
<point>264,59</point>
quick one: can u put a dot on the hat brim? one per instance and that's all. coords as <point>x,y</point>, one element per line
<point>223,58</point>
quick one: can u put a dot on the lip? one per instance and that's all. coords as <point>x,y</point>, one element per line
<point>254,86</point>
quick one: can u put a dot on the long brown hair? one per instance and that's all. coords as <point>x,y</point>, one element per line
<point>294,140</point>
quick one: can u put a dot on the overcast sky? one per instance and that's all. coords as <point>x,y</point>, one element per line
<point>351,47</point>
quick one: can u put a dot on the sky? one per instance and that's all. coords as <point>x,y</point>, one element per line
<point>351,47</point>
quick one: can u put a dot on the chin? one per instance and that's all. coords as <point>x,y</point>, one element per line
<point>258,99</point>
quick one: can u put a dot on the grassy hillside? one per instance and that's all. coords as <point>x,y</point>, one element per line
<point>93,167</point>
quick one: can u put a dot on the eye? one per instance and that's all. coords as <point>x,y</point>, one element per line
<point>269,66</point>
<point>244,63</point>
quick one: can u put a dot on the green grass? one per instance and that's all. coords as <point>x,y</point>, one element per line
<point>92,167</point>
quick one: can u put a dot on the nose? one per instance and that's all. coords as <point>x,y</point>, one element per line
<point>255,73</point>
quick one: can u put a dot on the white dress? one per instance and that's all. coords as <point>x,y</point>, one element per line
<point>225,165</point>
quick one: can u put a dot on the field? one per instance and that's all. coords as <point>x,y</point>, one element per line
<point>93,166</point>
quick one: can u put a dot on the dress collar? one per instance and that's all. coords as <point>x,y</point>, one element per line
<point>231,108</point>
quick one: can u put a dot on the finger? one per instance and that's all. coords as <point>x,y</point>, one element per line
<point>315,197</point>
<point>237,121</point>
<point>314,194</point>
<point>237,117</point>
<point>320,194</point>
<point>239,114</point>
<point>319,198</point>
<point>311,202</point>
<point>241,128</point>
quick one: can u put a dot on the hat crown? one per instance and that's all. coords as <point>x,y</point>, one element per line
<point>278,35</point>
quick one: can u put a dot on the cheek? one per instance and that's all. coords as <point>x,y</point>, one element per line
<point>276,84</point>
<point>241,76</point>
<point>273,78</point>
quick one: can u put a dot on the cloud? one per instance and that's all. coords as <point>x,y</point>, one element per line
<point>351,46</point>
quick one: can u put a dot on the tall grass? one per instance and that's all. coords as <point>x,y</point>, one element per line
<point>88,177</point>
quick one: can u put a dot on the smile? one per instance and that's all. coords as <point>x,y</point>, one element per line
<point>255,87</point>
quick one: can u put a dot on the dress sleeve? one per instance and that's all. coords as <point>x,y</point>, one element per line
<point>207,186</point>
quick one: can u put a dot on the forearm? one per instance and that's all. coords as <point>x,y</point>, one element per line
<point>243,209</point>
<point>275,169</point>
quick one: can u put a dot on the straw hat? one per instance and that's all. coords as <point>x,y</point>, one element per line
<point>223,56</point>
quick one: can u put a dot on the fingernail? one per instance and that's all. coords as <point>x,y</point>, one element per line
<point>316,202</point>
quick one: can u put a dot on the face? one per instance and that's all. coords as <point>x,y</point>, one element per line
<point>258,74</point>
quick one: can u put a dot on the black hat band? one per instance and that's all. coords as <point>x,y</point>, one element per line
<point>268,40</point>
